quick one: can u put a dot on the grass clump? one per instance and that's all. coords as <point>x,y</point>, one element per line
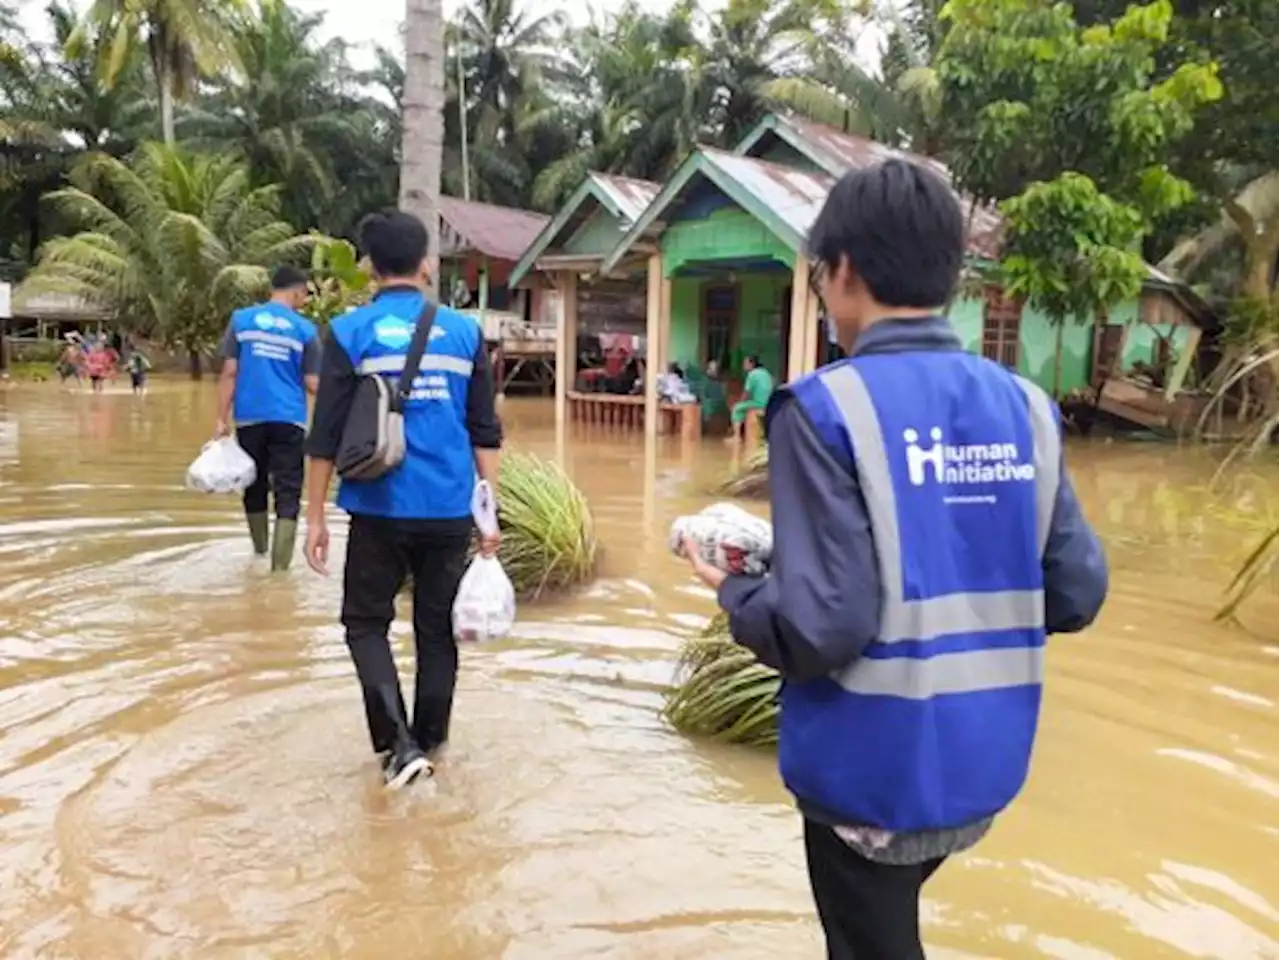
<point>750,479</point>
<point>723,692</point>
<point>548,535</point>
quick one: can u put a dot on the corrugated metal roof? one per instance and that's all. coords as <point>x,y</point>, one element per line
<point>503,233</point>
<point>629,195</point>
<point>795,195</point>
<point>849,152</point>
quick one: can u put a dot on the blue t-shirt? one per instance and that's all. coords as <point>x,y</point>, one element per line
<point>275,348</point>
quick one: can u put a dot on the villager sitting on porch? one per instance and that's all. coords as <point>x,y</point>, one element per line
<point>672,387</point>
<point>757,389</point>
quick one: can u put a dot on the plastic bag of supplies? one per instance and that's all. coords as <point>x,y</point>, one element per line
<point>485,606</point>
<point>728,537</point>
<point>222,467</point>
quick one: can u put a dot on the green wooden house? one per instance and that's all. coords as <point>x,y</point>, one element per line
<point>721,249</point>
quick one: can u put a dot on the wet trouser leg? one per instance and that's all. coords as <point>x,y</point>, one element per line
<point>869,911</point>
<point>437,562</point>
<point>284,463</point>
<point>255,441</point>
<point>375,568</point>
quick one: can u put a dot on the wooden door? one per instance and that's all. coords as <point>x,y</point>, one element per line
<point>719,333</point>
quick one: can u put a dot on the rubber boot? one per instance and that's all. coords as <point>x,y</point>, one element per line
<point>282,545</point>
<point>259,532</point>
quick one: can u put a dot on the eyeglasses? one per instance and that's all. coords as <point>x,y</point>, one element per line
<point>817,276</point>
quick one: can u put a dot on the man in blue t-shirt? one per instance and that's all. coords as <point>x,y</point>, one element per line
<point>271,361</point>
<point>415,521</point>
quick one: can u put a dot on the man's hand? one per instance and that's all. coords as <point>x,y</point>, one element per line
<point>703,570</point>
<point>317,546</point>
<point>489,543</point>
<point>221,429</point>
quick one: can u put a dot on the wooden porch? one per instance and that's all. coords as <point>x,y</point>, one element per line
<point>628,412</point>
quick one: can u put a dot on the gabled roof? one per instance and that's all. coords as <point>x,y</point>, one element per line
<point>784,199</point>
<point>624,197</point>
<point>838,152</point>
<point>501,233</point>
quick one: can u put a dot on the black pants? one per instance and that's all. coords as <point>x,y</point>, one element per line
<point>380,554</point>
<point>869,911</point>
<point>276,449</point>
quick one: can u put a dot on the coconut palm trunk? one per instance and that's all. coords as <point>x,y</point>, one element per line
<point>423,138</point>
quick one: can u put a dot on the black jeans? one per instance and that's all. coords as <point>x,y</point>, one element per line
<point>381,552</point>
<point>276,449</point>
<point>869,911</point>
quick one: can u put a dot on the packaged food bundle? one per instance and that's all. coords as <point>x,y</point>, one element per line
<point>728,538</point>
<point>222,467</point>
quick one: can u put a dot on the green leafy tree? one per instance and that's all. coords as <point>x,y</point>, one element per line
<point>170,242</point>
<point>1067,128</point>
<point>184,40</point>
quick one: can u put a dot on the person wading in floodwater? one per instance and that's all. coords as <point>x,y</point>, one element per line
<point>414,521</point>
<point>926,539</point>
<point>271,361</point>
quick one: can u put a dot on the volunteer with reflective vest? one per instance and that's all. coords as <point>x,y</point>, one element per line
<point>270,362</point>
<point>415,521</point>
<point>926,541</point>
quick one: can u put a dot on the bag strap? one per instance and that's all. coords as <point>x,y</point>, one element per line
<point>413,359</point>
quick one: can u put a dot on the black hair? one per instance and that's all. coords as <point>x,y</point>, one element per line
<point>287,277</point>
<point>676,369</point>
<point>395,241</point>
<point>900,227</point>
<point>753,359</point>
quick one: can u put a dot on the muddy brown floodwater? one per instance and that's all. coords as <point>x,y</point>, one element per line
<point>184,770</point>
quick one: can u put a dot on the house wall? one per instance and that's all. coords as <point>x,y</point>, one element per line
<point>727,233</point>
<point>599,233</point>
<point>1038,337</point>
<point>760,304</point>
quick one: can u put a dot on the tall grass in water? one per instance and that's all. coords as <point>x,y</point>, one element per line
<point>723,692</point>
<point>1256,572</point>
<point>750,479</point>
<point>548,535</point>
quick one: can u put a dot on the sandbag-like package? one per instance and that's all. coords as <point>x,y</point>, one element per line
<point>728,537</point>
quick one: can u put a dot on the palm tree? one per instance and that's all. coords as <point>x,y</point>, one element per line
<point>423,111</point>
<point>184,39</point>
<point>169,241</point>
<point>288,113</point>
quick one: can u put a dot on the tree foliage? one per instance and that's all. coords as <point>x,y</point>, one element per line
<point>1068,128</point>
<point>170,242</point>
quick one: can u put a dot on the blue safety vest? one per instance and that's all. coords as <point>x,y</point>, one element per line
<point>438,474</point>
<point>958,461</point>
<point>269,373</point>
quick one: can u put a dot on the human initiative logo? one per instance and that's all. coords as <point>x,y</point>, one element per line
<point>393,332</point>
<point>268,321</point>
<point>964,463</point>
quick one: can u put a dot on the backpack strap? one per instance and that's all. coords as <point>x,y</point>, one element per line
<point>413,359</point>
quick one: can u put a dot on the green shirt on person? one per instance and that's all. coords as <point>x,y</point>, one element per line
<point>758,387</point>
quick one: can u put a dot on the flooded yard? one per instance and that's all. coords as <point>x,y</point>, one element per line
<point>184,770</point>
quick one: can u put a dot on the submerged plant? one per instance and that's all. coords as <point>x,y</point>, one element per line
<point>723,692</point>
<point>750,479</point>
<point>548,535</point>
<point>1257,570</point>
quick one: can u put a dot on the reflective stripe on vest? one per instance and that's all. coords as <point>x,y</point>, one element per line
<point>274,339</point>
<point>922,620</point>
<point>435,362</point>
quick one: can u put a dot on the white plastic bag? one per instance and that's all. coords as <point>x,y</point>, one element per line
<point>728,537</point>
<point>222,467</point>
<point>485,606</point>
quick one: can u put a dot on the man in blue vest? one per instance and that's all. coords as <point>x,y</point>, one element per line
<point>927,539</point>
<point>270,362</point>
<point>415,521</point>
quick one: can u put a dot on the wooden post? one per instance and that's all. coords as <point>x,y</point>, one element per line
<point>653,333</point>
<point>484,290</point>
<point>810,332</point>
<point>797,360</point>
<point>566,341</point>
<point>664,351</point>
